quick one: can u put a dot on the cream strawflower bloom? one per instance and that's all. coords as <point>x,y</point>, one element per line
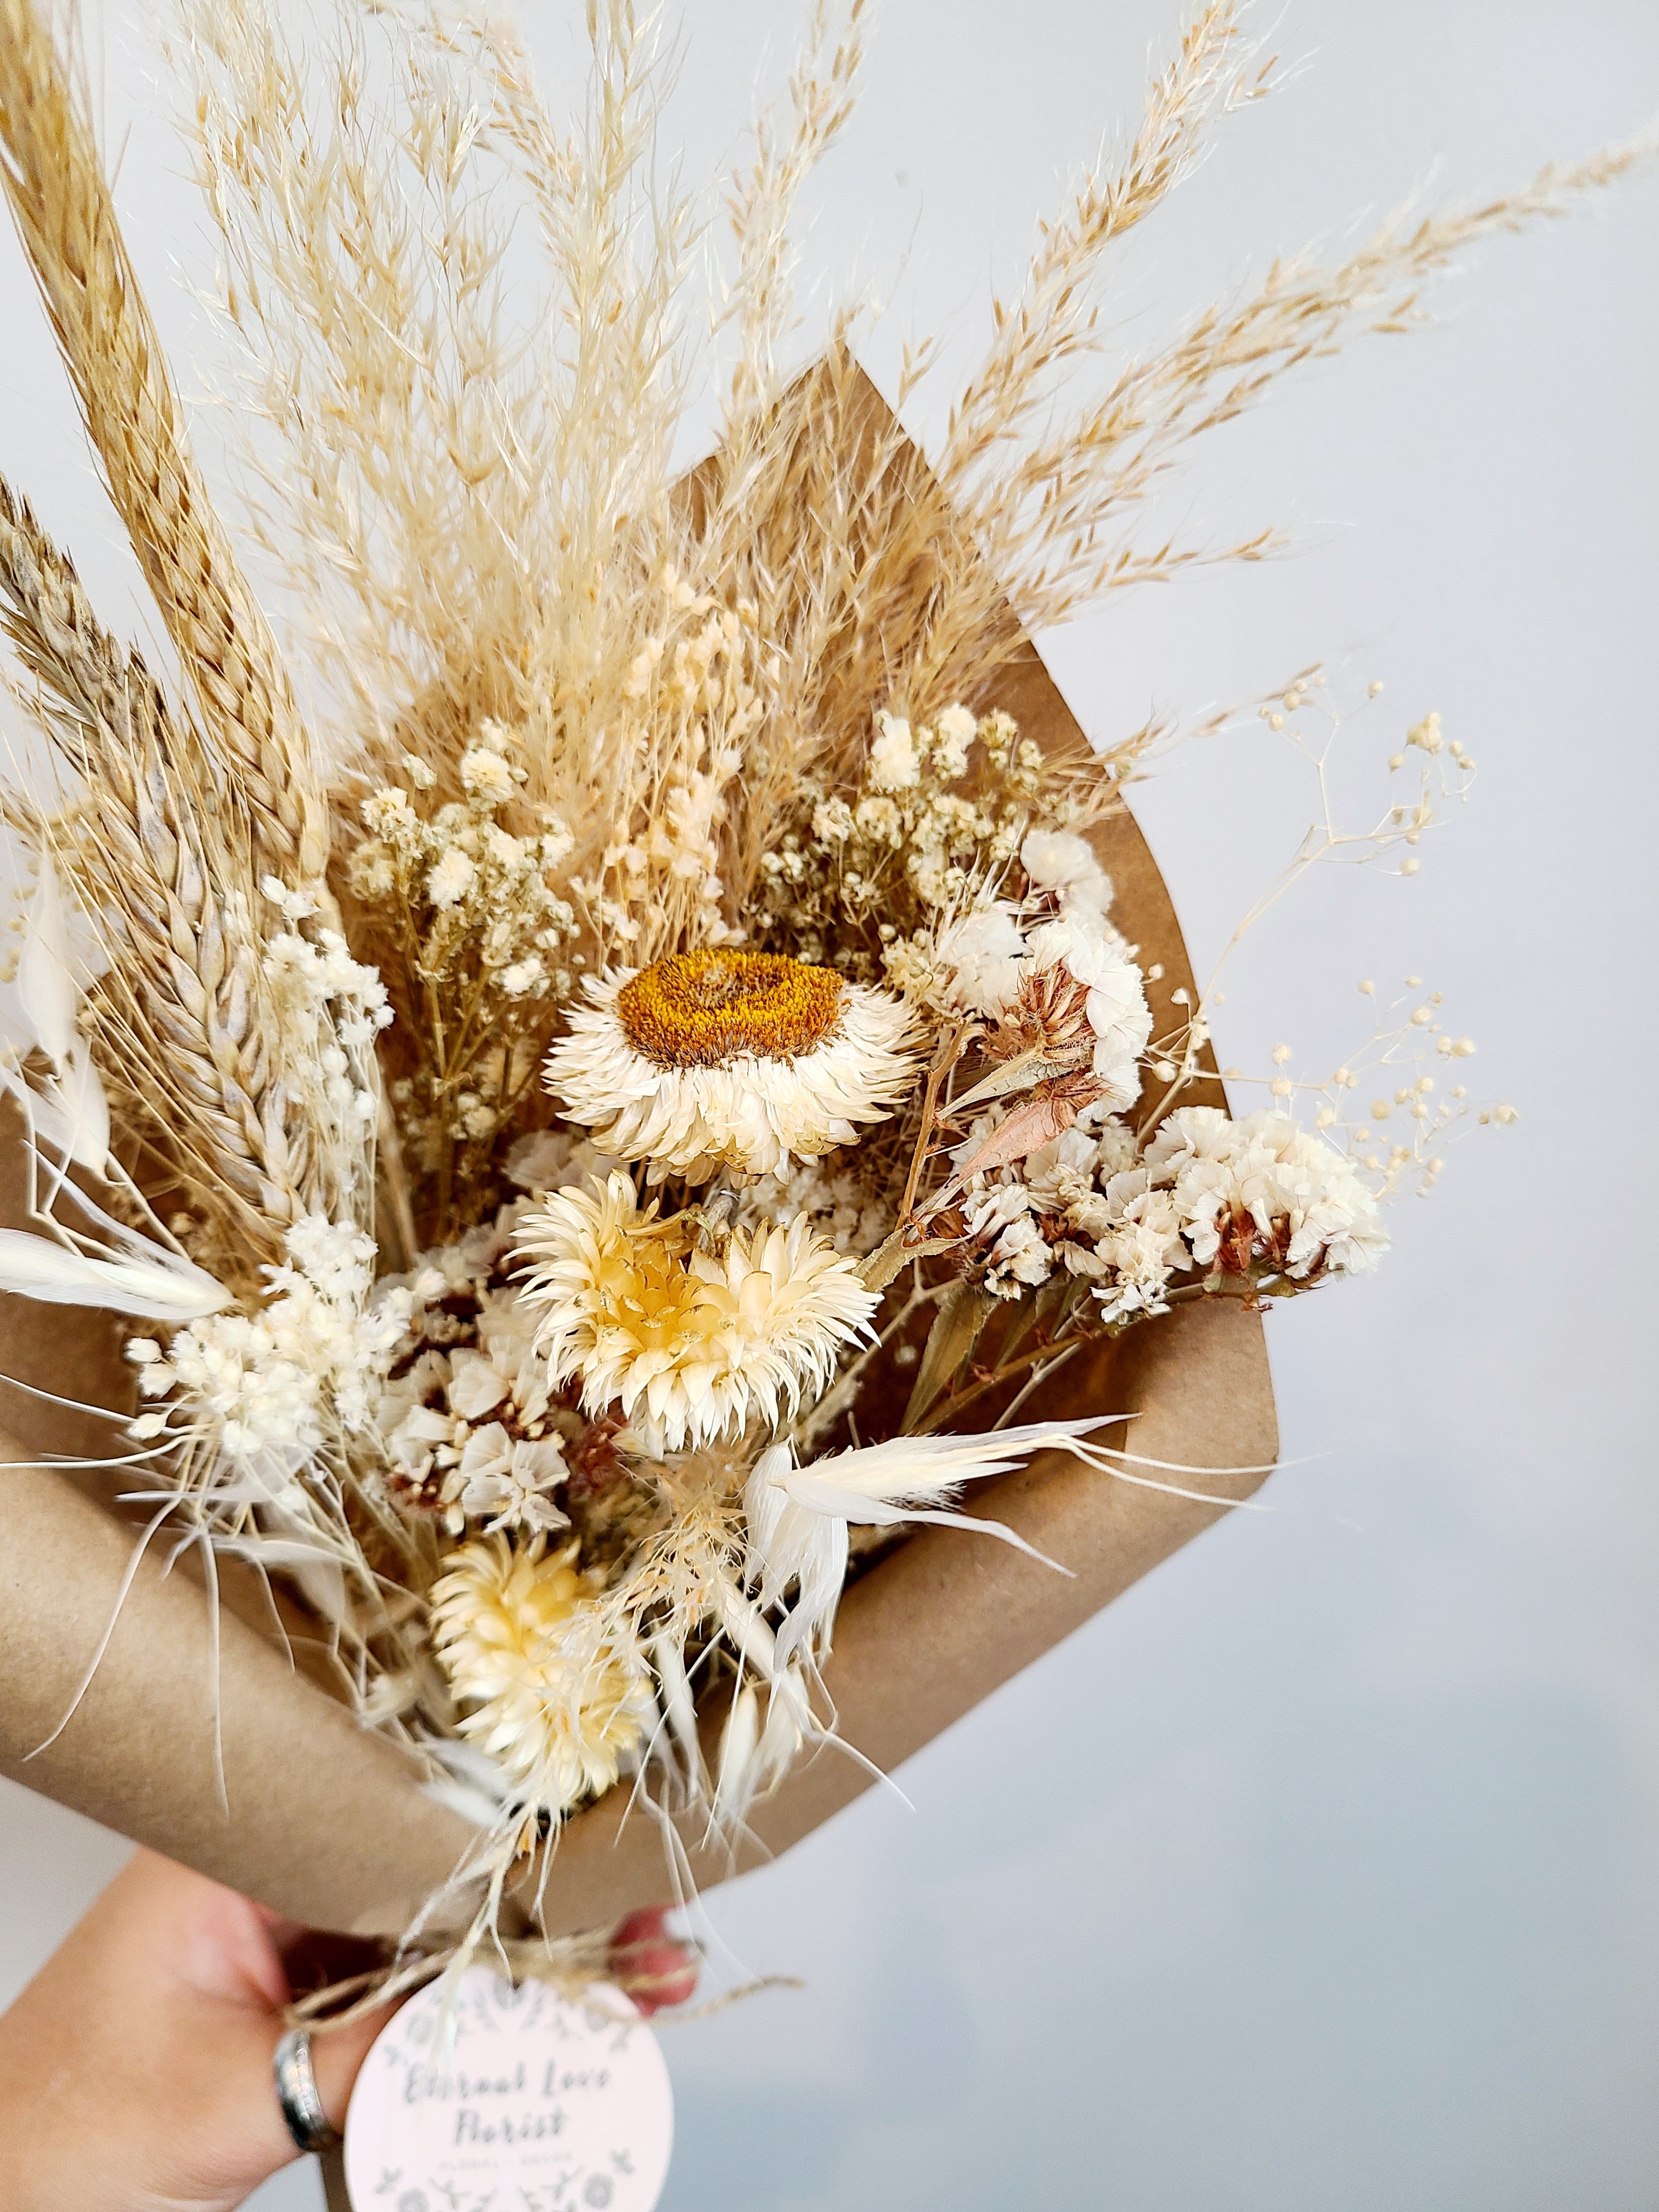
<point>549,1693</point>
<point>740,1060</point>
<point>694,1341</point>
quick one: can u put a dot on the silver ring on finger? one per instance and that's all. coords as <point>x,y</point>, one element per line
<point>296,2092</point>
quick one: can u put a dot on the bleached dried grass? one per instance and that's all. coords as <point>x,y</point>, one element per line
<point>491,491</point>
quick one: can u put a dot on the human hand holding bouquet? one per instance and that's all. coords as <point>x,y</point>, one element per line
<point>692,1066</point>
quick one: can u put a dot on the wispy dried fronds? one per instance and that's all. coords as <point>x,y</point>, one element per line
<point>1050,517</point>
<point>460,482</point>
<point>361,271</point>
<point>65,217</point>
<point>1056,319</point>
<point>762,204</point>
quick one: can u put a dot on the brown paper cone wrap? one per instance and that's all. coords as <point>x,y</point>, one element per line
<point>325,1822</point>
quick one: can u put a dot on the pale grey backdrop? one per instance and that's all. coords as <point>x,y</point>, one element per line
<point>1320,1872</point>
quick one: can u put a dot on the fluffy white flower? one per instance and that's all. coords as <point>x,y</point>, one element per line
<point>258,1386</point>
<point>953,734</point>
<point>450,877</point>
<point>1056,862</point>
<point>486,776</point>
<point>693,1342</point>
<point>520,977</point>
<point>1265,1193</point>
<point>893,762</point>
<point>832,821</point>
<point>984,948</point>
<point>549,1689</point>
<point>735,1060</point>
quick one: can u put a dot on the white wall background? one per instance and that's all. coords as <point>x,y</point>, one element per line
<point>1320,1871</point>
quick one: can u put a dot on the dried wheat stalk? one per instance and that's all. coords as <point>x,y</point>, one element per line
<point>180,1028</point>
<point>65,217</point>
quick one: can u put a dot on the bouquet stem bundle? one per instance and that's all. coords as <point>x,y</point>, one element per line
<point>686,1065</point>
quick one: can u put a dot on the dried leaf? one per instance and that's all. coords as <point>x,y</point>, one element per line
<point>957,1328</point>
<point>1033,1124</point>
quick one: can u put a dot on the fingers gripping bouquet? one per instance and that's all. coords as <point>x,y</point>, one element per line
<point>650,1095</point>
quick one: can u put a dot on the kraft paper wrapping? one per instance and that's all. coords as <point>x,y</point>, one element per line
<point>327,1824</point>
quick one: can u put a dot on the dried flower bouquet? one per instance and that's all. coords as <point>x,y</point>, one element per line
<point>633,1108</point>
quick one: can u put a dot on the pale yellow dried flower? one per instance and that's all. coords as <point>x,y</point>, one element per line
<point>549,1691</point>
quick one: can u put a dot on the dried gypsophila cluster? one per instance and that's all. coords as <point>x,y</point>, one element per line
<point>480,932</point>
<point>862,880</point>
<point>863,1034</point>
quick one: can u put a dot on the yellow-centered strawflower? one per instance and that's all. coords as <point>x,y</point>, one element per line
<point>696,1333</point>
<point>546,1690</point>
<point>740,1060</point>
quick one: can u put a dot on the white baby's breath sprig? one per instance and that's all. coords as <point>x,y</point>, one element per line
<point>1399,1072</point>
<point>1389,839</point>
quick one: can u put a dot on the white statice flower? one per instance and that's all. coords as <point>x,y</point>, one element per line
<point>1053,986</point>
<point>999,1218</point>
<point>982,950</point>
<point>471,1429</point>
<point>693,1337</point>
<point>730,1059</point>
<point>1021,1258</point>
<point>1083,944</point>
<point>549,1160</point>
<point>450,877</point>
<point>1057,861</point>
<point>550,1688</point>
<point>1137,1237</point>
<point>894,764</point>
<point>1265,1193</point>
<point>1061,1174</point>
<point>507,1482</point>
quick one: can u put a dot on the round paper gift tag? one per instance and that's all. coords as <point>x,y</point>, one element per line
<point>520,2100</point>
